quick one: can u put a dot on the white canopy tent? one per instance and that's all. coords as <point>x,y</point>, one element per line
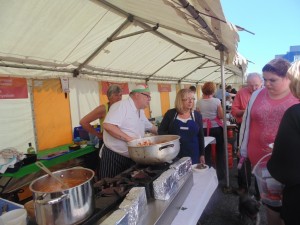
<point>159,40</point>
<point>153,41</point>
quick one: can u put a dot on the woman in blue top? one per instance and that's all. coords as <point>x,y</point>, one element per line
<point>187,123</point>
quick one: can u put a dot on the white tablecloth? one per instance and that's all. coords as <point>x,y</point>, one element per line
<point>209,140</point>
<point>205,183</point>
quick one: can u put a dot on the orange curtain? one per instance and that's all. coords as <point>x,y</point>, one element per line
<point>165,102</point>
<point>52,114</point>
<point>147,112</point>
<point>199,92</point>
<point>103,97</point>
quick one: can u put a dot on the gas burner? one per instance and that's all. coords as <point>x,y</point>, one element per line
<point>117,186</point>
<point>140,174</point>
<point>110,192</point>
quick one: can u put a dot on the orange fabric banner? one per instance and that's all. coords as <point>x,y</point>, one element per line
<point>147,112</point>
<point>12,88</point>
<point>103,98</point>
<point>106,84</point>
<point>52,114</point>
<point>164,87</point>
<point>165,102</point>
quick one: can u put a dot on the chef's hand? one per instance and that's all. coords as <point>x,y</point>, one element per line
<point>154,129</point>
<point>130,139</point>
<point>202,159</point>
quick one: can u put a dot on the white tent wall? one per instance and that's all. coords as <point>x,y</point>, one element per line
<point>172,96</point>
<point>155,103</point>
<point>16,119</point>
<point>84,97</point>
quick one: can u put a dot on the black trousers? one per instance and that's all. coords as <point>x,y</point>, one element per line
<point>112,163</point>
<point>290,211</point>
<point>244,175</point>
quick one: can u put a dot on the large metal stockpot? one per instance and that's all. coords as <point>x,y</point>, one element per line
<point>64,206</point>
<point>163,148</point>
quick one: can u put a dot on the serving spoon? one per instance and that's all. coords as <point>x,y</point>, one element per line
<point>43,167</point>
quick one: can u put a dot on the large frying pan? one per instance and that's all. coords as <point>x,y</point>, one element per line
<point>163,148</point>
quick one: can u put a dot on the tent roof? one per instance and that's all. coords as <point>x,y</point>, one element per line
<point>157,40</point>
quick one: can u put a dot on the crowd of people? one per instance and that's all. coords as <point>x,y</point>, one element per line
<point>266,104</point>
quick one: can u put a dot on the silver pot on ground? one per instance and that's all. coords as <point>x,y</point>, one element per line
<point>162,148</point>
<point>57,205</point>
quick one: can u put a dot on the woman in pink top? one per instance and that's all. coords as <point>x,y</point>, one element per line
<point>262,117</point>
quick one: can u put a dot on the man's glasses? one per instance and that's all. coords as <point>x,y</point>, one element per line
<point>148,96</point>
<point>188,99</point>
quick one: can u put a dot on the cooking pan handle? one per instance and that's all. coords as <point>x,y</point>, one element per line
<point>166,146</point>
<point>42,201</point>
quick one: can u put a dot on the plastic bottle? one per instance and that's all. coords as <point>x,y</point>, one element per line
<point>30,149</point>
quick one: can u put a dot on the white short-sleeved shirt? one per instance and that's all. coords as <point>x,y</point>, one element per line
<point>130,120</point>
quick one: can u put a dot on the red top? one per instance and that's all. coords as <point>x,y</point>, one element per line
<point>265,117</point>
<point>240,102</point>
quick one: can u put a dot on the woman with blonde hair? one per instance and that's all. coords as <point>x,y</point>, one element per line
<point>284,164</point>
<point>187,123</point>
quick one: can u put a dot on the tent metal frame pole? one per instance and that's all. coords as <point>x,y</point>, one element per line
<point>31,97</point>
<point>198,18</point>
<point>111,6</point>
<point>38,68</point>
<point>130,77</point>
<point>224,116</point>
<point>224,78</point>
<point>133,34</point>
<point>115,33</point>
<point>209,74</point>
<point>206,67</point>
<point>156,32</point>
<point>199,67</point>
<point>172,60</point>
<point>196,57</point>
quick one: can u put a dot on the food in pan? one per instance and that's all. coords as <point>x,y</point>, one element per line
<point>145,143</point>
<point>201,166</point>
<point>55,186</point>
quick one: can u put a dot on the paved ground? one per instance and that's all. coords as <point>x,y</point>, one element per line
<point>222,208</point>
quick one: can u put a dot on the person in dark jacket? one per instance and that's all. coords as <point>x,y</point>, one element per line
<point>284,164</point>
<point>187,123</point>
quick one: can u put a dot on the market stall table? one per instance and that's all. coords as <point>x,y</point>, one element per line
<point>205,183</point>
<point>185,206</point>
<point>209,140</point>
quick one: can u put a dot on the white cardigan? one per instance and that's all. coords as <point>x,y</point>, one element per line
<point>244,131</point>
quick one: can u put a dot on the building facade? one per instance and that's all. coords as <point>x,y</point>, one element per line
<point>292,55</point>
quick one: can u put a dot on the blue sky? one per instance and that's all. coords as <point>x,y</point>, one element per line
<point>276,24</point>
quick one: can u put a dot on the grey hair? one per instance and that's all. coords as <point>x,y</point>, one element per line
<point>251,75</point>
<point>113,89</point>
